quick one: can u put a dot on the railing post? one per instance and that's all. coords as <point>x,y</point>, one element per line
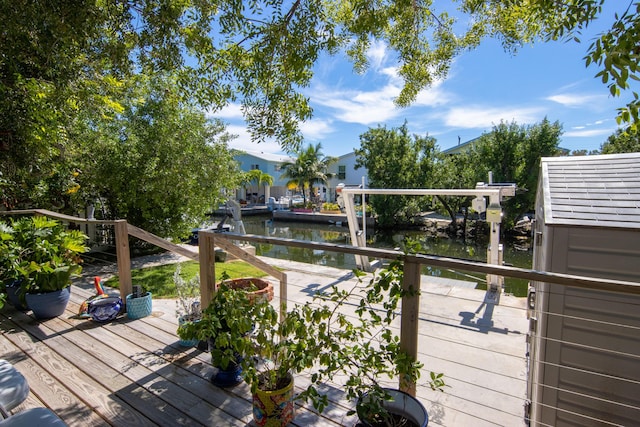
<point>410,317</point>
<point>123,256</point>
<point>207,249</point>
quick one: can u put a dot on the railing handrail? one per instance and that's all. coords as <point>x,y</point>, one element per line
<point>60,216</point>
<point>453,263</point>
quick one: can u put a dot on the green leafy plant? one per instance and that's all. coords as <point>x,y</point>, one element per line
<point>327,206</point>
<point>320,336</point>
<point>365,348</point>
<point>41,253</point>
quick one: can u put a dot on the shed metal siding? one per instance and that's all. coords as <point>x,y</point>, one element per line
<point>585,354</point>
<point>602,191</point>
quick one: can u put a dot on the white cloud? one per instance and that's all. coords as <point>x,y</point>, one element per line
<point>243,141</point>
<point>230,112</point>
<point>377,54</point>
<point>360,107</point>
<point>315,129</point>
<point>572,100</point>
<point>374,106</point>
<point>582,133</point>
<point>479,117</point>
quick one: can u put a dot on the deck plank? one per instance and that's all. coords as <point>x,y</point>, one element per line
<point>134,373</point>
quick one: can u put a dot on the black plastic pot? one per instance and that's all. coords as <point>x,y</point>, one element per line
<point>401,404</point>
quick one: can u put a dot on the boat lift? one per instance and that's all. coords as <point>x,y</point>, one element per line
<point>494,192</point>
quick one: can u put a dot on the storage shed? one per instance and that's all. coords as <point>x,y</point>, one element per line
<point>584,353</point>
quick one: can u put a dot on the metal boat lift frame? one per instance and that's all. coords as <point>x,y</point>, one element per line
<point>495,192</point>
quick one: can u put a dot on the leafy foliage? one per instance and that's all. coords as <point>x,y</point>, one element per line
<point>40,253</point>
<point>319,336</point>
<point>68,68</point>
<point>160,164</point>
<point>395,159</point>
<point>309,167</point>
<point>188,292</point>
<point>621,142</point>
<point>512,152</point>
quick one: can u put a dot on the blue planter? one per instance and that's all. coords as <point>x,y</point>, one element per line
<point>105,309</point>
<point>140,307</point>
<point>186,343</point>
<point>49,304</point>
<point>228,377</point>
<point>13,297</point>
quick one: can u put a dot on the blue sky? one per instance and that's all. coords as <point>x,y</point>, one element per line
<point>484,86</point>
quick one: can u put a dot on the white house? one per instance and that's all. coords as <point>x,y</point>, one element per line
<point>344,172</point>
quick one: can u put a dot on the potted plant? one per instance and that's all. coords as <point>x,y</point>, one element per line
<point>188,308</point>
<point>139,304</point>
<point>365,349</point>
<point>317,336</point>
<point>45,256</point>
<point>10,253</point>
<point>247,341</point>
<point>255,287</point>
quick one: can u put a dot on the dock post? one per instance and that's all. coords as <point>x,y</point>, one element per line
<point>410,317</point>
<point>123,258</point>
<point>207,250</point>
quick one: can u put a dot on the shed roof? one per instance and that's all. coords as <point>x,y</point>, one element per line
<point>601,191</point>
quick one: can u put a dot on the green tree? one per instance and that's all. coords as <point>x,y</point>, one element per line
<point>396,159</point>
<point>262,54</point>
<point>455,171</point>
<point>512,153</point>
<point>161,164</point>
<point>61,60</point>
<point>621,142</point>
<point>309,167</point>
<point>257,177</point>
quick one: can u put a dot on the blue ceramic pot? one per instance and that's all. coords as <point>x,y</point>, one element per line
<point>140,307</point>
<point>228,377</point>
<point>105,309</point>
<point>13,296</point>
<point>49,304</point>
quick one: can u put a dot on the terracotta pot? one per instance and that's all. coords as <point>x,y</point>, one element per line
<point>265,288</point>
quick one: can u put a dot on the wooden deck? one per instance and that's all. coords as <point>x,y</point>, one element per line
<point>134,373</point>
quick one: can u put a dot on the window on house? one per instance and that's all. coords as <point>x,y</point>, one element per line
<point>255,167</point>
<point>342,172</point>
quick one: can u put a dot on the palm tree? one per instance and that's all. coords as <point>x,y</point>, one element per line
<point>310,167</point>
<point>257,177</point>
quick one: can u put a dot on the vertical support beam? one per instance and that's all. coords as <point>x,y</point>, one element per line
<point>283,297</point>
<point>206,243</point>
<point>494,287</point>
<point>357,237</point>
<point>123,256</point>
<point>410,318</point>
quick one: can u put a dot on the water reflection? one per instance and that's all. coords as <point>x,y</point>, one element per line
<point>518,255</point>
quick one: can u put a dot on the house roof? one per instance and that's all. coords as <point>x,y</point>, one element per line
<point>600,191</point>
<point>277,158</point>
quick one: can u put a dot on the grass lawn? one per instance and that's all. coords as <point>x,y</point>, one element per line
<point>159,280</point>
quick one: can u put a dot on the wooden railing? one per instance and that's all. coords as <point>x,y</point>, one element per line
<point>412,267</point>
<point>122,230</point>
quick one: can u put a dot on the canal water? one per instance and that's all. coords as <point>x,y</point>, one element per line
<point>518,254</point>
